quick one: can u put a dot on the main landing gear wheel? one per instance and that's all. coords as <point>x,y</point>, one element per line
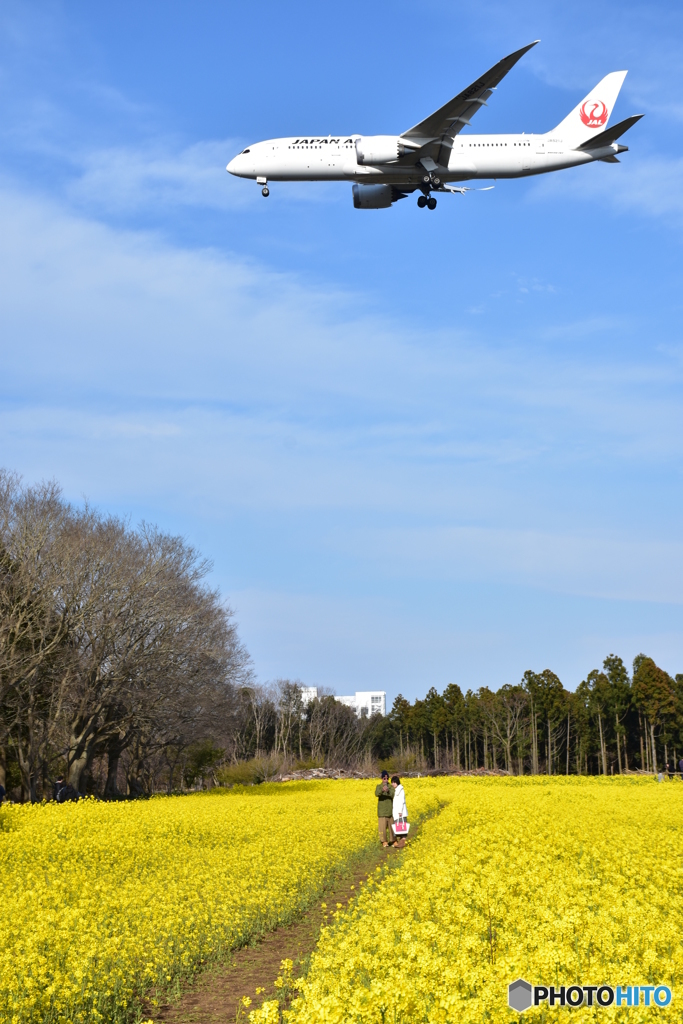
<point>265,191</point>
<point>422,202</point>
<point>431,203</point>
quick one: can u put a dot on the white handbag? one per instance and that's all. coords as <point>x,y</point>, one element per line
<point>401,827</point>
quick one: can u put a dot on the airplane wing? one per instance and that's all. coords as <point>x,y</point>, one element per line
<point>445,123</point>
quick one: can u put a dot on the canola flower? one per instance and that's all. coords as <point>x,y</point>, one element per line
<point>557,881</point>
<point>104,902</point>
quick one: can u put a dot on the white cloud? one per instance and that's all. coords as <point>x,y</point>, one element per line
<point>107,312</point>
<point>164,175</point>
<point>599,564</point>
<point>650,186</point>
<point>149,364</point>
<point>129,179</point>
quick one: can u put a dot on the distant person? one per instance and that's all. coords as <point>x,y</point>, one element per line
<point>680,768</point>
<point>385,806</point>
<point>2,793</point>
<point>671,769</point>
<point>62,791</point>
<point>399,810</point>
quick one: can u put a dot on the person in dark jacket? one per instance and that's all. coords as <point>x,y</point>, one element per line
<point>63,791</point>
<point>385,810</point>
<point>680,768</point>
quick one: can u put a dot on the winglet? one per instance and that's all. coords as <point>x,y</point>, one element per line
<point>514,57</point>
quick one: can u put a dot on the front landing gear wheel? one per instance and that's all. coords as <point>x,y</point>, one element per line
<point>422,202</point>
<point>431,203</point>
<point>265,191</point>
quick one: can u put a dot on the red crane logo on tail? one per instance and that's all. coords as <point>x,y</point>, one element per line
<point>593,113</point>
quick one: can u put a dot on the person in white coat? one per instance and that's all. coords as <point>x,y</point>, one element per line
<point>399,810</point>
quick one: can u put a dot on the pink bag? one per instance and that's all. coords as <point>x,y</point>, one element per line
<point>401,827</point>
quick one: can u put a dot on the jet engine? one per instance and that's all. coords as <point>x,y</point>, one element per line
<point>380,149</point>
<point>375,197</point>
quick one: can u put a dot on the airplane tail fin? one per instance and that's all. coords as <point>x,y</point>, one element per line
<point>591,115</point>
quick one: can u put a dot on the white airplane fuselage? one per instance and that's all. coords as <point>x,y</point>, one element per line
<point>439,153</point>
<point>334,158</point>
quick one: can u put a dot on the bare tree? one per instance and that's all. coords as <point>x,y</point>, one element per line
<point>33,631</point>
<point>335,732</point>
<point>262,705</point>
<point>149,631</point>
<point>503,710</point>
<point>289,710</point>
<point>110,640</point>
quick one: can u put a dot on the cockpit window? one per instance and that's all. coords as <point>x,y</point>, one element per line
<point>245,151</point>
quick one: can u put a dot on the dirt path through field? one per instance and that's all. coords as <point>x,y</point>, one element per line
<point>215,996</point>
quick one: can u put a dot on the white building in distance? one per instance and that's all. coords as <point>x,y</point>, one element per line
<point>308,693</point>
<point>364,702</point>
<point>367,702</point>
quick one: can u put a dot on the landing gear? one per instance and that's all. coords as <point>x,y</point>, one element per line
<point>265,191</point>
<point>429,181</point>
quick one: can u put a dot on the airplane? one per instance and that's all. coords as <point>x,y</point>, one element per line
<point>432,155</point>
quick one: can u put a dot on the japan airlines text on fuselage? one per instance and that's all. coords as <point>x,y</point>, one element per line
<point>433,156</point>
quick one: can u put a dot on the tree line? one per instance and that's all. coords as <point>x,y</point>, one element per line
<point>614,722</point>
<point>122,670</point>
<point>116,657</point>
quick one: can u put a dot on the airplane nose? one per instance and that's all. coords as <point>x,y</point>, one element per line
<point>232,166</point>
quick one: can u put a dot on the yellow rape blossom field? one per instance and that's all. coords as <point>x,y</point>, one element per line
<point>104,901</point>
<point>557,881</point>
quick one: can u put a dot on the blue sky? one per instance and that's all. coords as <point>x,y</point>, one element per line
<point>420,448</point>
